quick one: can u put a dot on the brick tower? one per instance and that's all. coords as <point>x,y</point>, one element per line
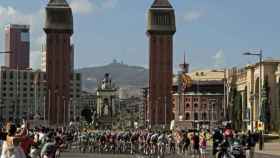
<point>161,28</point>
<point>59,28</point>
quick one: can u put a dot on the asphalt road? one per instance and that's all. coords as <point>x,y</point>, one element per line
<point>88,155</point>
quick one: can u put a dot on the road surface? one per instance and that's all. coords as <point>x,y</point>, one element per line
<point>90,155</point>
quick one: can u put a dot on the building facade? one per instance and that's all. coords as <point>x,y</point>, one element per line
<point>131,112</point>
<point>160,31</point>
<point>87,101</point>
<point>245,81</point>
<point>24,92</point>
<point>201,103</point>
<point>17,43</point>
<point>59,29</point>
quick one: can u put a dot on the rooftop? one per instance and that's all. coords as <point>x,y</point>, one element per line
<point>207,75</point>
<point>58,3</point>
<point>161,4</point>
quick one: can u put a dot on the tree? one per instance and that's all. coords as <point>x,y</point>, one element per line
<point>87,114</point>
<point>265,115</point>
<point>236,110</point>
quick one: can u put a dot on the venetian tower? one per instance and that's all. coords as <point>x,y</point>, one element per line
<point>59,29</point>
<point>160,31</point>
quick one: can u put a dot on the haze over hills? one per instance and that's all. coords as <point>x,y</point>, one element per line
<point>124,76</point>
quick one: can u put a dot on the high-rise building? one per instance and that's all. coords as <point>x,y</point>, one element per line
<point>59,29</point>
<point>29,100</point>
<point>17,42</point>
<point>161,28</point>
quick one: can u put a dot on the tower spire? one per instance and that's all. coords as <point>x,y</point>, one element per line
<point>185,66</point>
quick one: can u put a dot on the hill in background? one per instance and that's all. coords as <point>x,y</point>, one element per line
<point>132,78</point>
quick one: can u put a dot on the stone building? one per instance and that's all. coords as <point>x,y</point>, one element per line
<point>87,101</point>
<point>132,111</point>
<point>201,103</point>
<point>246,82</point>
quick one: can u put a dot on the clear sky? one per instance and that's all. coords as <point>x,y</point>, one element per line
<point>214,33</point>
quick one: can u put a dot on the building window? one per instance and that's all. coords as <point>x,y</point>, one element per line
<point>195,105</point>
<point>4,75</point>
<point>188,105</point>
<point>196,116</point>
<point>213,106</point>
<point>195,99</point>
<point>25,75</point>
<point>11,75</point>
<point>32,76</point>
<point>188,116</point>
<point>78,77</point>
<point>204,116</point>
<point>204,106</point>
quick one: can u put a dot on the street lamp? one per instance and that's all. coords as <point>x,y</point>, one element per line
<point>259,53</point>
<point>6,52</point>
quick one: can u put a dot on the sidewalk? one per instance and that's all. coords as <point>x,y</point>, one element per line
<point>270,149</point>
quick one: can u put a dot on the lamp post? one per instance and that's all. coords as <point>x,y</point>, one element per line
<point>259,53</point>
<point>64,111</point>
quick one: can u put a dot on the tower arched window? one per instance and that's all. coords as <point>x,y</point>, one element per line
<point>204,116</point>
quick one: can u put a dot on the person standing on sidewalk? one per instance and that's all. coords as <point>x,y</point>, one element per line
<point>251,143</point>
